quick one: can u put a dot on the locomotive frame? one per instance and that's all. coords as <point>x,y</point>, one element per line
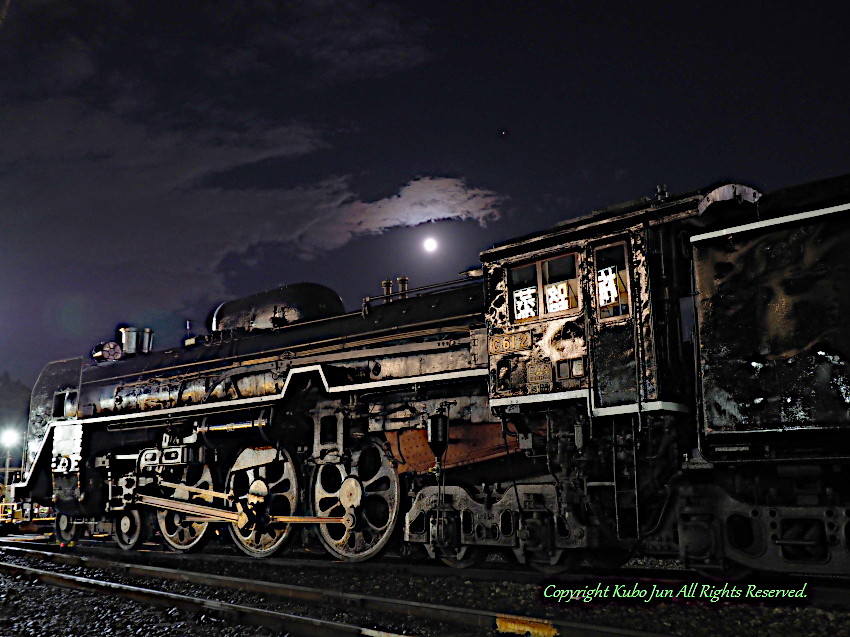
<point>586,395</point>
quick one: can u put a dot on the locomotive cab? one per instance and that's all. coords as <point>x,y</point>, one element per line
<point>590,339</point>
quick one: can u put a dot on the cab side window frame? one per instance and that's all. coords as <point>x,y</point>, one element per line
<point>552,282</point>
<point>612,280</point>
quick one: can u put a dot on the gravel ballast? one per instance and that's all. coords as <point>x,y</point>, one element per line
<point>27,608</point>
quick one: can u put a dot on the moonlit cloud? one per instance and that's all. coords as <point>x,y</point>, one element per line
<point>422,200</point>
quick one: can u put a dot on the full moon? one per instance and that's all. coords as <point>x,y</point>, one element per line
<point>430,244</point>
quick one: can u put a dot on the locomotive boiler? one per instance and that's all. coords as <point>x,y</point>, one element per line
<point>665,376</point>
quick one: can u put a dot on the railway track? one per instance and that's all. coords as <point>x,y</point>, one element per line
<point>486,572</point>
<point>481,620</point>
<point>832,591</point>
<point>830,594</point>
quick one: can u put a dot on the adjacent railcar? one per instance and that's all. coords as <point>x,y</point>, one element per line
<point>667,376</point>
<point>769,488</point>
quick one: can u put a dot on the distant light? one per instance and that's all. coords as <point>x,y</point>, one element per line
<point>430,244</point>
<point>9,437</point>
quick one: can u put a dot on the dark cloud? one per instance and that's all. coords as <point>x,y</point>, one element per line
<point>350,40</point>
<point>54,45</point>
<point>104,160</point>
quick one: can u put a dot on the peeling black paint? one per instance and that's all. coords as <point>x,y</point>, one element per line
<point>774,316</point>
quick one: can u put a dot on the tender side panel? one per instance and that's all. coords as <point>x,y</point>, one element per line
<point>773,313</point>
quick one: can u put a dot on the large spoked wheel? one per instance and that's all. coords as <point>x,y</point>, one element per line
<point>178,533</point>
<point>66,531</point>
<point>370,492</point>
<point>130,529</point>
<point>263,483</point>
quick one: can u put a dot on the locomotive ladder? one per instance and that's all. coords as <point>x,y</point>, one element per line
<point>625,490</point>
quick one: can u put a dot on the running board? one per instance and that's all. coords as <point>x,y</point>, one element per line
<point>202,513</point>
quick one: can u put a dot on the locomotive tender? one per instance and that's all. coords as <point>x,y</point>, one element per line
<point>666,376</point>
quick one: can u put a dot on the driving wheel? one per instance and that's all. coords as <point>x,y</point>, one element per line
<point>263,483</point>
<point>368,493</point>
<point>179,533</point>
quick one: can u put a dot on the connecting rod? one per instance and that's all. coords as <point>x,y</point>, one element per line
<point>201,513</point>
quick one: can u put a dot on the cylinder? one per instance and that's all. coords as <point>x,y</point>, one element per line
<point>136,340</point>
<point>387,286</point>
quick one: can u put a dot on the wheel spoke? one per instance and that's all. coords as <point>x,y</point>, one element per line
<point>371,492</point>
<point>262,490</point>
<point>178,534</point>
<point>375,480</point>
<point>130,529</point>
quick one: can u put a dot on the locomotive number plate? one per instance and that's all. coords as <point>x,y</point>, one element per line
<point>540,373</point>
<point>510,342</point>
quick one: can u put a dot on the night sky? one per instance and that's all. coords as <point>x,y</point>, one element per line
<point>159,157</point>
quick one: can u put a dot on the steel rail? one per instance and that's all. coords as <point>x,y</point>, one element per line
<point>489,572</point>
<point>474,618</point>
<point>276,620</point>
<point>826,591</point>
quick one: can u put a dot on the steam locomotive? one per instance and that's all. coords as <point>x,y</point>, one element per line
<point>666,376</point>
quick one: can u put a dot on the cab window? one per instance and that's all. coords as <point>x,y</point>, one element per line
<point>612,288</point>
<point>560,284</point>
<point>545,287</point>
<point>524,292</point>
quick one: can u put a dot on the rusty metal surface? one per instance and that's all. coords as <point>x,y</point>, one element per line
<point>55,376</point>
<point>249,365</point>
<point>470,443</point>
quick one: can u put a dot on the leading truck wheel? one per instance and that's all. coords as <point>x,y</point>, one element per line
<point>369,492</point>
<point>131,529</point>
<point>66,531</point>
<point>263,483</point>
